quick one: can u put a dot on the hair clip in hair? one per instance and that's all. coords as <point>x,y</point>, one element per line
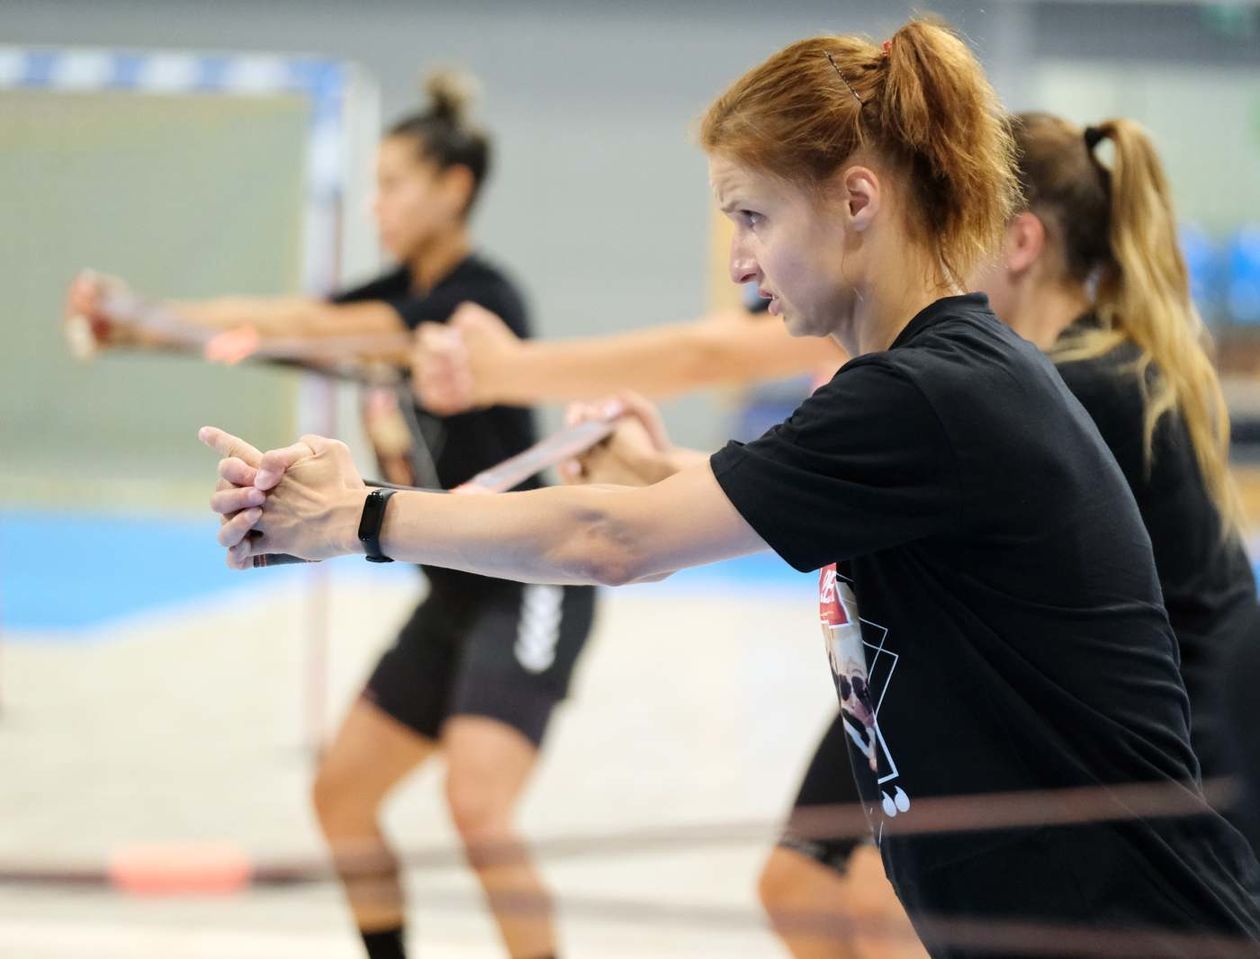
<point>887,47</point>
<point>836,67</point>
<point>1092,136</point>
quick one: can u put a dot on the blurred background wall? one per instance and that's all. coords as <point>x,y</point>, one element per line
<point>600,202</point>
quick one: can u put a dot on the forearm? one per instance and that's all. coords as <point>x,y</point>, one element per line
<point>657,362</point>
<point>370,330</point>
<point>754,350</point>
<point>561,535</point>
<point>680,458</point>
<point>270,316</point>
<point>661,465</point>
<point>598,535</point>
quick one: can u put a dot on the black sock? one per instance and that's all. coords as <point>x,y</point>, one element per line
<point>384,943</point>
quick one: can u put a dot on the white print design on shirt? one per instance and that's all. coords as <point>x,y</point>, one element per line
<point>862,672</point>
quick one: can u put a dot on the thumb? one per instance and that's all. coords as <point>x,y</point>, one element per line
<point>476,320</point>
<point>319,445</point>
<point>646,412</point>
<point>431,336</point>
<point>274,463</point>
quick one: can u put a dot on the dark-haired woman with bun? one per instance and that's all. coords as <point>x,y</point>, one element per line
<point>477,671</point>
<point>988,595</point>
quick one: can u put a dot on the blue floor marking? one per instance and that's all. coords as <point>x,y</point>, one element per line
<point>67,572</point>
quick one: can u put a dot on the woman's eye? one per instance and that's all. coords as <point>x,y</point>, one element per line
<point>749,218</point>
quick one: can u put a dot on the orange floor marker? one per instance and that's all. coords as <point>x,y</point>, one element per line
<point>180,868</point>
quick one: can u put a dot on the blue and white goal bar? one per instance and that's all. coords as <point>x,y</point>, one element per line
<point>339,96</point>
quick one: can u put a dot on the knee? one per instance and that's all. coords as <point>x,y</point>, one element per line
<point>336,800</point>
<point>475,810</point>
<point>781,880</point>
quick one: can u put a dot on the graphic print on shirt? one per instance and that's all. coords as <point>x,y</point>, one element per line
<point>863,672</point>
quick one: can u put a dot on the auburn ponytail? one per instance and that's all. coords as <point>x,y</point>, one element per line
<point>939,114</point>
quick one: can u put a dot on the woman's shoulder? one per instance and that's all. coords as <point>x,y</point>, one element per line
<point>1100,372</point>
<point>390,285</point>
<point>488,274</point>
<point>480,268</point>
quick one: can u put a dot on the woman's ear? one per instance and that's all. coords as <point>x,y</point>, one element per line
<point>861,193</point>
<point>457,181</point>
<point>1024,243</point>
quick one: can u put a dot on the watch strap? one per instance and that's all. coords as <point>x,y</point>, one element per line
<point>370,524</point>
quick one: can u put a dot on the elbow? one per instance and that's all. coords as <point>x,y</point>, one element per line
<point>613,567</point>
<point>607,553</point>
<point>611,575</point>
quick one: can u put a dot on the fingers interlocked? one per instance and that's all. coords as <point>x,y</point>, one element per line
<point>238,497</point>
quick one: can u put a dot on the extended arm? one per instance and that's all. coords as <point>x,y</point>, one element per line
<point>291,316</point>
<point>307,499</point>
<point>477,361</point>
<point>275,325</point>
<point>660,361</point>
<point>605,535</point>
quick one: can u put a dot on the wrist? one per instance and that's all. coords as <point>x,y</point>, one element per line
<point>678,458</point>
<point>667,464</point>
<point>654,466</point>
<point>346,516</point>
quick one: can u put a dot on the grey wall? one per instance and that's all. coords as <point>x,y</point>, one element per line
<point>600,199</point>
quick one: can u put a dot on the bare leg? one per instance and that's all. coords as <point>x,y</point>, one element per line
<point>799,895</point>
<point>370,754</point>
<point>489,764</point>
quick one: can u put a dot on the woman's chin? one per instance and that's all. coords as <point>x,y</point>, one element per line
<point>797,325</point>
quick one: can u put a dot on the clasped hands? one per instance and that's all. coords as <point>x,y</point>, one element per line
<point>306,499</point>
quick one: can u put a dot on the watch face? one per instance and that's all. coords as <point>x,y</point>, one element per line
<point>373,515</point>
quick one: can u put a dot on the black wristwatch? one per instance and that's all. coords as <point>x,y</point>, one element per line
<point>370,524</point>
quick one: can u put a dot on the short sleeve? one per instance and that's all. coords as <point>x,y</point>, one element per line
<point>437,307</point>
<point>390,286</point>
<point>470,286</point>
<point>862,465</point>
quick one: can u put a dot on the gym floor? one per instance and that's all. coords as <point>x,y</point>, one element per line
<point>181,711</point>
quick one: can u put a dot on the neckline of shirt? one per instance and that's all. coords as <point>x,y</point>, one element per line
<point>469,261</point>
<point>937,310</point>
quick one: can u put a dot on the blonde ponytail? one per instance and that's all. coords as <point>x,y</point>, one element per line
<point>1143,287</point>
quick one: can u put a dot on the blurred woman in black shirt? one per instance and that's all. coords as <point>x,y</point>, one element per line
<point>1092,273</point>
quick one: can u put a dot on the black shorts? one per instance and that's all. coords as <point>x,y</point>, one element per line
<point>828,781</point>
<point>484,647</point>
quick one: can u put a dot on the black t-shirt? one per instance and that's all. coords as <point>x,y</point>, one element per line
<point>1242,712</point>
<point>1208,585</point>
<point>1011,635</point>
<point>462,445</point>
